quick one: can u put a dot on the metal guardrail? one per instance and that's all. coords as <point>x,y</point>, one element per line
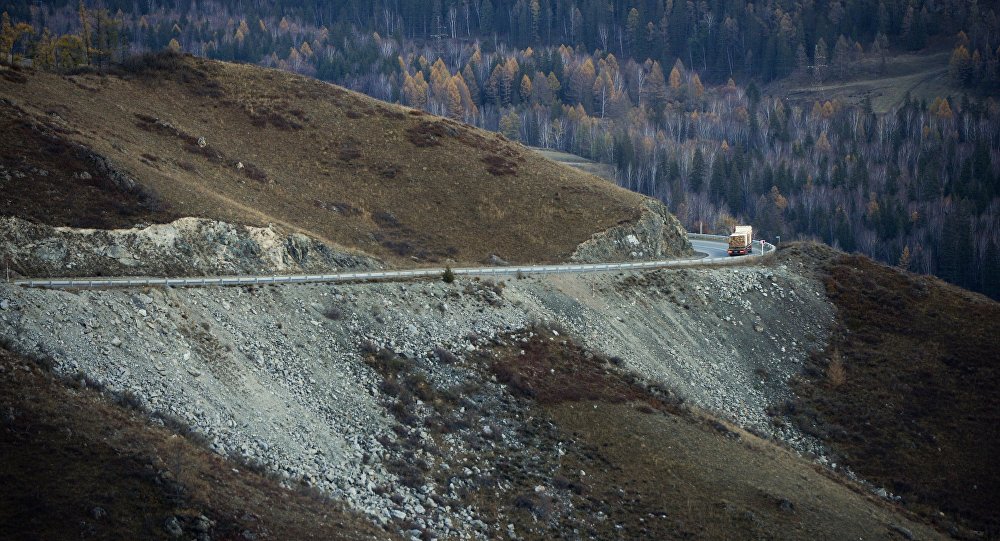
<point>83,283</point>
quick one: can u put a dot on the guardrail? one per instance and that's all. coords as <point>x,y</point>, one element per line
<point>83,283</point>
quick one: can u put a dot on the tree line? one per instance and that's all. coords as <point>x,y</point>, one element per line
<point>719,38</point>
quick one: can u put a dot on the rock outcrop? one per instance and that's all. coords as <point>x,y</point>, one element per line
<point>185,247</point>
<point>655,235</point>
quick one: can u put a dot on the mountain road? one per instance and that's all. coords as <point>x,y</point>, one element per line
<point>711,251</point>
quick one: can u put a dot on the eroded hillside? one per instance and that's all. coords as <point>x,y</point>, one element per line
<point>480,409</point>
<point>169,136</point>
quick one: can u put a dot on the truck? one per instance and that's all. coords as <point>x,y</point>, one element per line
<point>741,240</point>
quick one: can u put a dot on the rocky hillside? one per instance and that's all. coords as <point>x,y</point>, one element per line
<point>169,136</point>
<point>479,409</point>
<point>184,247</point>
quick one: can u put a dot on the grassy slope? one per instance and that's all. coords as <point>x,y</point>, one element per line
<point>348,169</point>
<point>923,75</point>
<point>642,466</point>
<point>914,405</point>
<point>68,450</point>
<point>58,198</point>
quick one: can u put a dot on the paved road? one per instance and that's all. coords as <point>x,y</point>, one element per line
<point>713,252</point>
<point>710,248</point>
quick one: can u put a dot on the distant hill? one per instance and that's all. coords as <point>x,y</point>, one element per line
<point>251,145</point>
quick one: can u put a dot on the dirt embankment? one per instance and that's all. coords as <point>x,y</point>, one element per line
<point>184,247</point>
<point>408,402</point>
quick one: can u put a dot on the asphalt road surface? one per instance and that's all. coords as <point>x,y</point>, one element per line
<point>712,252</point>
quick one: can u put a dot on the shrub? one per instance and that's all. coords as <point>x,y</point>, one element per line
<point>836,374</point>
<point>444,355</point>
<point>448,276</point>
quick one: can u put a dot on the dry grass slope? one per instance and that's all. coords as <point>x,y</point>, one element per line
<point>284,149</point>
<point>907,395</point>
<point>641,465</point>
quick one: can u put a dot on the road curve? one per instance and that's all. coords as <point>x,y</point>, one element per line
<point>712,252</point>
<point>710,248</point>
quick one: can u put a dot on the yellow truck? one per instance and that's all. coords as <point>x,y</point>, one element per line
<point>741,240</point>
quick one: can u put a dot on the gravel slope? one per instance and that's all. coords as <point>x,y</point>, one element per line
<point>278,375</point>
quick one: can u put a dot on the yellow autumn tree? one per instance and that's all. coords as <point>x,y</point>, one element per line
<point>510,69</point>
<point>294,58</point>
<point>675,76</point>
<point>415,91</point>
<point>942,109</point>
<point>453,103</point>
<point>780,202</point>
<point>510,125</point>
<point>9,34</point>
<point>904,259</point>
<point>468,104</point>
<point>493,85</point>
<point>174,45</point>
<point>828,110</point>
<point>581,81</point>
<point>960,64</point>
<point>439,82</point>
<point>554,85</point>
<point>823,143</point>
<point>469,80</point>
<point>817,111</point>
<point>70,51</point>
<point>525,88</point>
<point>872,208</point>
<point>604,92</point>
<point>45,51</point>
<point>696,85</point>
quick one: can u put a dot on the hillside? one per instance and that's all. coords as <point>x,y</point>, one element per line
<point>614,405</point>
<point>432,409</point>
<point>173,136</point>
<point>906,393</point>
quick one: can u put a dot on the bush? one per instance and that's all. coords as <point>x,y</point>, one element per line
<point>162,61</point>
<point>444,355</point>
<point>448,276</point>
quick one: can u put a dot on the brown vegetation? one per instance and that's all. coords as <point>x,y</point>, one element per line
<point>46,183</point>
<point>914,406</point>
<point>637,464</point>
<point>436,176</point>
<point>551,369</point>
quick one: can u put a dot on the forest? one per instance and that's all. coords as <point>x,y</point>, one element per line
<point>667,91</point>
